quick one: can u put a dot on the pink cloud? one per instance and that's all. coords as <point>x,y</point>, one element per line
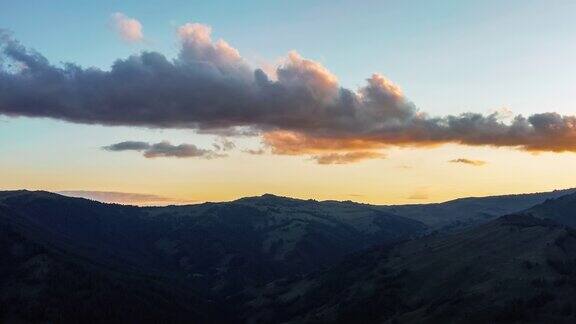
<point>129,29</point>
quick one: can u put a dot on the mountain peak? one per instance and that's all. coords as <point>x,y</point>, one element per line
<point>268,198</point>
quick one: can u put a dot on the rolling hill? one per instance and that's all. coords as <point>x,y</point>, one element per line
<point>517,268</point>
<point>220,247</point>
<point>271,259</point>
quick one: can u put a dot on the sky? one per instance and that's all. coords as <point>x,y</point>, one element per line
<point>385,102</point>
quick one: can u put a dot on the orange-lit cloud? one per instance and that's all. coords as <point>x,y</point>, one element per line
<point>129,29</point>
<point>294,143</point>
<point>345,158</point>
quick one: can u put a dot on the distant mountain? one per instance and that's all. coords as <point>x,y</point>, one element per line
<point>561,210</point>
<point>514,269</point>
<point>219,247</point>
<point>467,212</point>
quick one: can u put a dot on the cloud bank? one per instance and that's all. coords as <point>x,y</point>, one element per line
<point>163,149</point>
<point>299,110</point>
<point>129,29</point>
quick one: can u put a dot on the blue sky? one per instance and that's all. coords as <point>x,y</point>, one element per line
<point>448,57</point>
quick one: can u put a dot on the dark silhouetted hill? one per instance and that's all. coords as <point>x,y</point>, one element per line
<point>275,259</point>
<point>221,247</point>
<point>42,280</point>
<point>561,210</point>
<point>516,269</point>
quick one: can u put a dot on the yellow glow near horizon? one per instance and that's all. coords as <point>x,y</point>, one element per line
<point>405,176</point>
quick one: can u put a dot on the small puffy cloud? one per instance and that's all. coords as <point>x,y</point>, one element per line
<point>129,29</point>
<point>468,161</point>
<point>163,149</point>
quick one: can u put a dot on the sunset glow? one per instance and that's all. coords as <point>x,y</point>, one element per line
<point>187,105</point>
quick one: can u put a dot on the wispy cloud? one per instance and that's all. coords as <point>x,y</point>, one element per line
<point>345,158</point>
<point>260,151</point>
<point>123,197</point>
<point>129,29</point>
<point>419,194</point>
<point>224,144</point>
<point>163,149</point>
<point>468,161</point>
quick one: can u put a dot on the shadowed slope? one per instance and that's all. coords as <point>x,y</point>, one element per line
<point>42,280</point>
<point>222,247</point>
<point>561,210</point>
<point>467,212</point>
<point>516,268</point>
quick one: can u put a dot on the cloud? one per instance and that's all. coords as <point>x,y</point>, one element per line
<point>163,149</point>
<point>224,144</point>
<point>127,146</point>
<point>345,158</point>
<point>123,197</point>
<point>260,151</point>
<point>468,161</point>
<point>302,110</point>
<point>129,29</point>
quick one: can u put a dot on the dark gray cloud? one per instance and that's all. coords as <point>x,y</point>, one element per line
<point>163,149</point>
<point>210,88</point>
<point>127,146</point>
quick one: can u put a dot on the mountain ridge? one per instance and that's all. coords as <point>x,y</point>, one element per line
<point>277,259</point>
<point>274,196</point>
